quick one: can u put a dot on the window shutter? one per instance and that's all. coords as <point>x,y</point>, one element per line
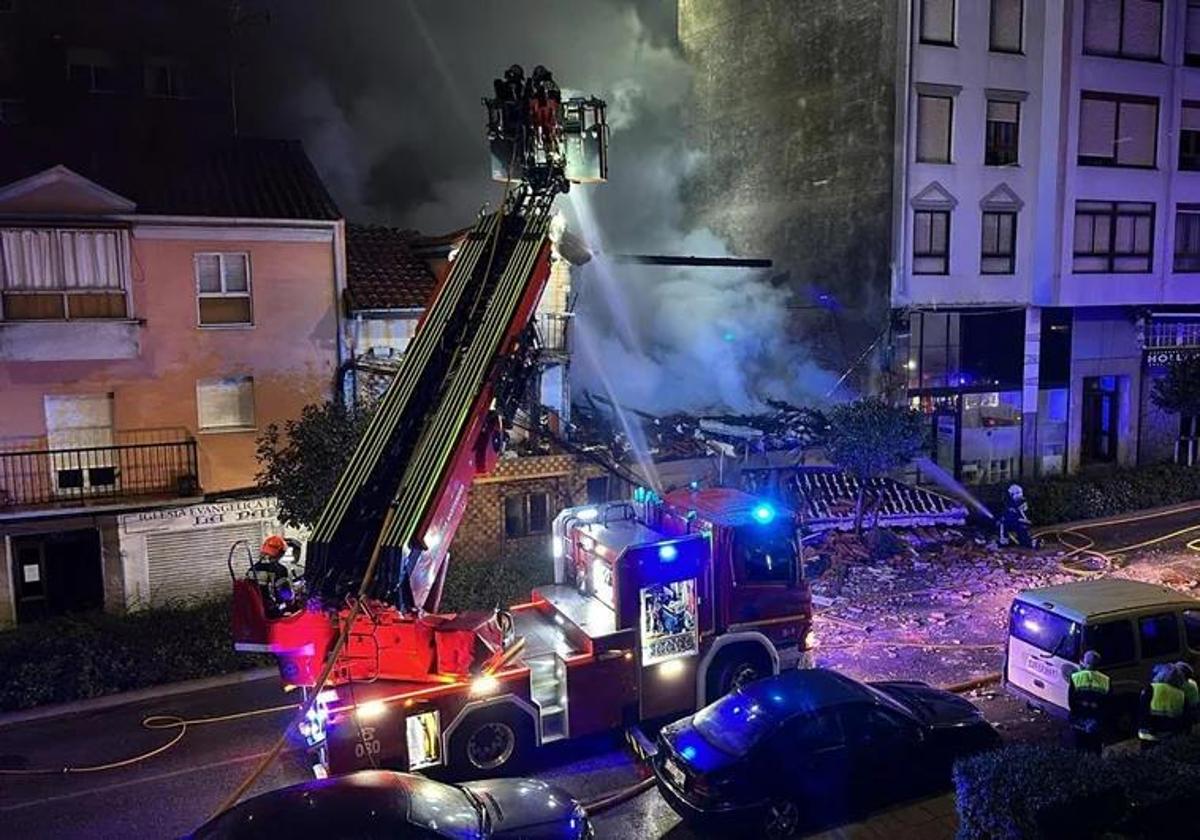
<point>208,273</point>
<point>1192,37</point>
<point>1006,24</point>
<point>1097,127</point>
<point>1139,124</point>
<point>1190,116</point>
<point>225,403</point>
<point>937,20</point>
<point>1142,28</point>
<point>234,271</point>
<point>1101,26</point>
<point>933,128</point>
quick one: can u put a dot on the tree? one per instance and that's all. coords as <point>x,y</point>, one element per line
<point>869,438</point>
<point>1178,390</point>
<point>300,463</point>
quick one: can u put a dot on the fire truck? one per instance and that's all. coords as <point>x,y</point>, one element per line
<point>658,604</point>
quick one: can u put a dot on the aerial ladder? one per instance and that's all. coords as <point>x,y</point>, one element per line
<point>643,618</point>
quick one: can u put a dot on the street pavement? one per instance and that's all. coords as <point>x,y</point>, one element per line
<point>171,793</point>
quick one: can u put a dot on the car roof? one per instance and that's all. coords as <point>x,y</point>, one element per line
<point>802,690</point>
<point>1086,599</point>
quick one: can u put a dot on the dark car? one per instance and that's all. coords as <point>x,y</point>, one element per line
<point>808,748</point>
<point>398,806</point>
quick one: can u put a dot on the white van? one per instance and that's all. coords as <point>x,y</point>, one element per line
<point>1132,625</point>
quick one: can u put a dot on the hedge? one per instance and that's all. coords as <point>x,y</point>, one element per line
<point>91,654</point>
<point>1036,791</point>
<point>1090,495</point>
<point>493,583</point>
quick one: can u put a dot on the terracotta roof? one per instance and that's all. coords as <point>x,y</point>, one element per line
<point>382,272</point>
<point>242,178</point>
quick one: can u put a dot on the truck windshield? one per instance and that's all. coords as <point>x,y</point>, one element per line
<point>1050,633</point>
<point>766,557</point>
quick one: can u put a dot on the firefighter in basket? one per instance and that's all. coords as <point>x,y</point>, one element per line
<point>277,584</point>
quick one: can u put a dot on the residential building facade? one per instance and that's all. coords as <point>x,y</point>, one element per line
<point>1046,230</point>
<point>149,328</point>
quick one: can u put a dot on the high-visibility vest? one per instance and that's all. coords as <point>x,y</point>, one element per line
<point>1085,679</point>
<point>1166,700</point>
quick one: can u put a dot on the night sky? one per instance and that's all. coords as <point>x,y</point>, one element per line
<point>385,95</point>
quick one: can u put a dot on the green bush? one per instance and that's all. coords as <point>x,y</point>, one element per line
<point>92,654</point>
<point>1047,792</point>
<point>485,585</point>
<point>1108,493</point>
<point>1031,791</point>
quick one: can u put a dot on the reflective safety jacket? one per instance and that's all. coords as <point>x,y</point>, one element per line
<point>1162,711</point>
<point>1087,698</point>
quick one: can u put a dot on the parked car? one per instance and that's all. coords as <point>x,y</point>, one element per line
<point>808,748</point>
<point>398,806</point>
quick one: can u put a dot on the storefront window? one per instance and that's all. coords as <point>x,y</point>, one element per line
<point>991,437</point>
<point>1052,431</point>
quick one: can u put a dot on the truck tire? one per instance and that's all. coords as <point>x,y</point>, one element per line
<point>734,667</point>
<point>491,742</point>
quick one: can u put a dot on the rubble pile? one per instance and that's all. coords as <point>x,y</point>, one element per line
<point>826,497</point>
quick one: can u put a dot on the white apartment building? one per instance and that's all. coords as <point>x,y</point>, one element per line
<point>1047,228</point>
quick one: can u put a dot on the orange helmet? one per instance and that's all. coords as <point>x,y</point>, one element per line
<point>274,546</point>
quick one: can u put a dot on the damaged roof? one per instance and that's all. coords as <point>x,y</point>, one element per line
<point>827,496</point>
<point>382,270</point>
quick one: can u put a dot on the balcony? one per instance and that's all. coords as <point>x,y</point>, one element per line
<point>552,332</point>
<point>34,479</point>
<point>62,341</point>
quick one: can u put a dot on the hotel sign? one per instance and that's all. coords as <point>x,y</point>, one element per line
<point>209,515</point>
<point>1161,358</point>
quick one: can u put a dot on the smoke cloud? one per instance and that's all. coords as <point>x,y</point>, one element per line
<point>385,93</point>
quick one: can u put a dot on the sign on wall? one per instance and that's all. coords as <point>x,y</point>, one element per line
<point>210,515</point>
<point>668,621</point>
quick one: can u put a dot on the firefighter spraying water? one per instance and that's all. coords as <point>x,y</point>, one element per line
<point>658,605</point>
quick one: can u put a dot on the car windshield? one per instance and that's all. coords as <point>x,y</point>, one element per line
<point>736,722</point>
<point>445,810</point>
<point>1052,634</point>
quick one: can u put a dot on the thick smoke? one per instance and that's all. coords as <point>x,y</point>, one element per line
<point>385,95</point>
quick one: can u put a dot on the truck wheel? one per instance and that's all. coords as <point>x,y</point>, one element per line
<point>734,668</point>
<point>491,742</point>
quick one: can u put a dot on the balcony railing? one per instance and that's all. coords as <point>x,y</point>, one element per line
<point>552,331</point>
<point>1173,334</point>
<point>97,475</point>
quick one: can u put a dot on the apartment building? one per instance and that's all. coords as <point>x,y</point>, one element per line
<point>1046,229</point>
<point>148,330</point>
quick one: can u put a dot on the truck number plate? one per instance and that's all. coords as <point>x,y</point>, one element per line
<point>675,773</point>
<point>1040,666</point>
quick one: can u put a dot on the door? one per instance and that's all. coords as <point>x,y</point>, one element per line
<point>79,434</point>
<point>885,756</point>
<point>57,573</point>
<point>813,747</point>
<point>1099,432</point>
<point>945,439</point>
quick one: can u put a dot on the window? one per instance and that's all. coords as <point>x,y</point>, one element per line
<point>1159,635</point>
<point>1113,237</point>
<point>935,115</point>
<point>1187,237</point>
<point>1122,28</point>
<point>1005,29</point>
<point>223,289</point>
<point>164,77</point>
<point>1189,137</point>
<point>526,515</point>
<point>931,242</point>
<point>937,22</point>
<point>766,559</point>
<point>1112,640</point>
<point>999,243</point>
<point>1003,119</point>
<point>1191,38</point>
<point>55,275</point>
<point>1046,631</point>
<point>225,404</point>
<point>1117,130</point>
<point>91,70</point>
<point>1191,628</point>
<point>597,490</point>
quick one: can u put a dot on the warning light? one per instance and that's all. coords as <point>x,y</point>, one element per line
<point>763,513</point>
<point>486,684</point>
<point>667,553</point>
<point>370,710</point>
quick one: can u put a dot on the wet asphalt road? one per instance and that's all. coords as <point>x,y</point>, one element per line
<point>172,793</point>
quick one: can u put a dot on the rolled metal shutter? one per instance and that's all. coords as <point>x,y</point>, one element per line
<point>194,563</point>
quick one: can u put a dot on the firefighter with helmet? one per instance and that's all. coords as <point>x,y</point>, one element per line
<point>1015,522</point>
<point>273,578</point>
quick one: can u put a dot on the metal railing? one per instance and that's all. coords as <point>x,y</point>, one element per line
<point>552,331</point>
<point>97,474</point>
<point>1173,333</point>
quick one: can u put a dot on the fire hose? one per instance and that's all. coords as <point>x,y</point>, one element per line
<point>1080,545</point>
<point>153,722</point>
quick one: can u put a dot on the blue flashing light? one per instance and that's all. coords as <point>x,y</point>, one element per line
<point>688,752</point>
<point>667,553</point>
<point>694,485</point>
<point>763,513</point>
<point>729,336</point>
